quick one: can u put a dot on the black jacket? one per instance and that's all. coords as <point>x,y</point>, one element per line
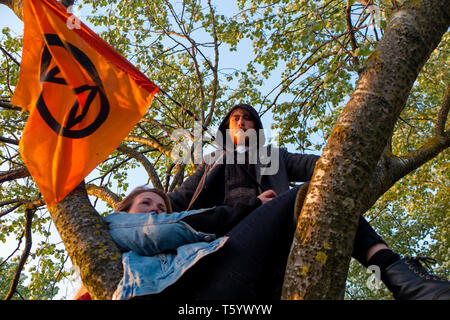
<point>205,187</point>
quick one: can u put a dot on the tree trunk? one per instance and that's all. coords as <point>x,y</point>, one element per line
<point>320,256</point>
<point>88,243</point>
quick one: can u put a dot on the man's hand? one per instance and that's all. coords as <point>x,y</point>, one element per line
<point>267,196</point>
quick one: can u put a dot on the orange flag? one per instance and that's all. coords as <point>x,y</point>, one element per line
<point>82,96</point>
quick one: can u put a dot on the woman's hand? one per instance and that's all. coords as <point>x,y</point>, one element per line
<point>267,196</point>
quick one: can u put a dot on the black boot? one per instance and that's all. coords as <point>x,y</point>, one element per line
<point>407,279</point>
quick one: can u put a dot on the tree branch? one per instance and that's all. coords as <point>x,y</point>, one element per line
<point>7,105</point>
<point>443,114</point>
<point>10,141</point>
<point>103,193</point>
<point>9,210</point>
<point>14,174</point>
<point>15,250</point>
<point>174,118</point>
<point>10,56</point>
<point>34,203</point>
<point>390,169</point>
<point>159,125</point>
<point>352,34</point>
<point>213,68</point>
<point>151,143</point>
<point>29,212</point>
<point>178,178</point>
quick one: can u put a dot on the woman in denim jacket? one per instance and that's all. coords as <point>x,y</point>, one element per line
<point>222,252</point>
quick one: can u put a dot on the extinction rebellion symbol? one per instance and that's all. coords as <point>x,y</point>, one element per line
<point>77,113</point>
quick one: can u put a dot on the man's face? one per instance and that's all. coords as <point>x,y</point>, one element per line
<point>240,121</point>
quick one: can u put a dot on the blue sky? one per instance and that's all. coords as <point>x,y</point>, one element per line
<point>9,19</point>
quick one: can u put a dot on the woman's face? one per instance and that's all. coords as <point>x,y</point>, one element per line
<point>148,202</point>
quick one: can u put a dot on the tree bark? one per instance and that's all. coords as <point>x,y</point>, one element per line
<point>103,193</point>
<point>88,243</point>
<point>318,264</point>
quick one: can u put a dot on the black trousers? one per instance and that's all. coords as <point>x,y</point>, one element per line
<point>252,263</point>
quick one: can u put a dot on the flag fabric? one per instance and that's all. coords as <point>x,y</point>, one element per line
<point>82,96</point>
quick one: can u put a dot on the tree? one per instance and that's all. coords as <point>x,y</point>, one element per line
<point>355,168</point>
<point>318,48</point>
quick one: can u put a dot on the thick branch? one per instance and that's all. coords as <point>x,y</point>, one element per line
<point>392,169</point>
<point>103,193</point>
<point>159,125</point>
<point>320,256</point>
<point>178,178</point>
<point>151,143</point>
<point>14,174</point>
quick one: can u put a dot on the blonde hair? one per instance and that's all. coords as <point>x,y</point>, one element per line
<point>127,202</point>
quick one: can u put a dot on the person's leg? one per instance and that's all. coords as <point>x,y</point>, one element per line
<point>259,247</point>
<point>252,249</point>
<point>368,243</point>
<point>405,277</point>
<point>252,263</point>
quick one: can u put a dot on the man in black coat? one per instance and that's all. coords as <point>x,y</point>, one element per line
<point>243,169</point>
